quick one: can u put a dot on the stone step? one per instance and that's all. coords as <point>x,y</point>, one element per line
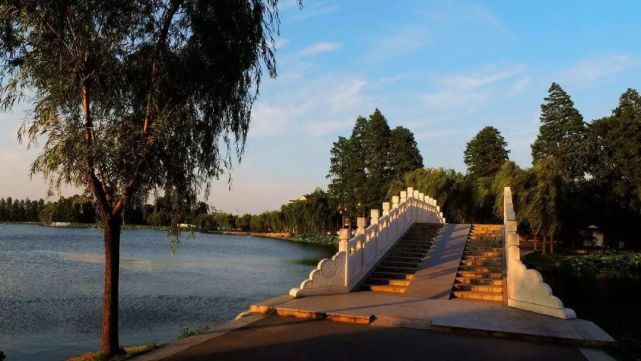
<point>393,275</point>
<point>485,263</point>
<point>482,296</point>
<point>419,255</point>
<point>412,248</point>
<point>478,288</point>
<point>480,268</point>
<point>388,288</point>
<point>416,259</point>
<point>396,269</point>
<point>483,249</point>
<point>388,281</point>
<point>492,275</point>
<point>480,281</point>
<point>484,253</point>
<point>392,263</point>
<point>483,258</point>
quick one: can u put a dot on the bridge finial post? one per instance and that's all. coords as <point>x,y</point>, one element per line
<point>410,192</point>
<point>386,207</point>
<point>403,196</point>
<point>343,240</point>
<point>373,214</point>
<point>360,225</point>
<point>395,201</point>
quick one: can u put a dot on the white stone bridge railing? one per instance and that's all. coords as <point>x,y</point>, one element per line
<point>356,257</point>
<point>525,287</point>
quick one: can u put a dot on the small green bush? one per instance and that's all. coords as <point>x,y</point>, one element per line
<point>316,239</point>
<point>188,332</point>
<point>611,263</point>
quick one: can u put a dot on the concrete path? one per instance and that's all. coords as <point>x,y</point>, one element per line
<point>436,275</point>
<point>281,338</point>
<point>445,315</point>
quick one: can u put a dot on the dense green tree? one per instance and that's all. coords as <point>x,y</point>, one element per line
<point>404,154</point>
<point>541,200</point>
<point>485,153</point>
<point>562,133</point>
<point>451,190</point>
<point>363,166</point>
<point>134,96</point>
<point>347,170</point>
<point>376,148</point>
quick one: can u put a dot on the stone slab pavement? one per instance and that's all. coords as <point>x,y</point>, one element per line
<point>436,274</point>
<point>444,315</point>
<point>287,338</point>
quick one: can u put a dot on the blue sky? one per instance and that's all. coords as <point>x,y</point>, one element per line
<point>444,69</point>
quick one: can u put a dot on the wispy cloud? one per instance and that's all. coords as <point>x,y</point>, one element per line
<point>310,9</point>
<point>318,48</point>
<point>399,42</point>
<point>589,70</point>
<point>475,80</point>
<point>470,90</point>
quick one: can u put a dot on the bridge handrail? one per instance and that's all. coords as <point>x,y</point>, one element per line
<point>525,287</point>
<point>358,255</point>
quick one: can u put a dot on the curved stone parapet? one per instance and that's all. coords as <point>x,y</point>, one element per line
<point>324,279</point>
<point>359,254</point>
<point>525,287</point>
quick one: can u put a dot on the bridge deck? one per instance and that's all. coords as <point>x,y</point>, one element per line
<point>437,273</point>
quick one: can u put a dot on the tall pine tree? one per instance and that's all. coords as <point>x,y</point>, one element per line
<point>485,153</point>
<point>562,133</point>
<point>404,154</point>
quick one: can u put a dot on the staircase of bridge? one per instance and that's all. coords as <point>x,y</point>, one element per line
<point>481,274</point>
<point>396,272</point>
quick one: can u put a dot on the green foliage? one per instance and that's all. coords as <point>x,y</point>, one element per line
<point>363,166</point>
<point>604,263</point>
<point>135,96</point>
<point>327,240</point>
<point>562,133</point>
<point>188,332</point>
<point>451,189</point>
<point>485,153</point>
<point>23,210</point>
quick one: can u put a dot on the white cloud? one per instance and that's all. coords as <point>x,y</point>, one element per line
<point>318,48</point>
<point>470,90</point>
<point>478,79</point>
<point>401,41</point>
<point>586,71</point>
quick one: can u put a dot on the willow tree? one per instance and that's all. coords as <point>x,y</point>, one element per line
<point>134,96</point>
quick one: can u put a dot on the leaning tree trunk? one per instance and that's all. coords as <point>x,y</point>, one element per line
<point>109,340</point>
<point>536,241</point>
<point>551,245</point>
<point>544,245</point>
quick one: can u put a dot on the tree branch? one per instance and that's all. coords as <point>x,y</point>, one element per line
<point>147,140</point>
<point>93,181</point>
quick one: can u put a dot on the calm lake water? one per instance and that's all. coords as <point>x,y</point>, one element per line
<point>51,285</point>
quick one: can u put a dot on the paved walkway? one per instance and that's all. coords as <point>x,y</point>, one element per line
<point>436,275</point>
<point>447,315</point>
<point>285,338</point>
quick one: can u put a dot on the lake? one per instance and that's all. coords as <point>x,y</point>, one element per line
<point>51,285</point>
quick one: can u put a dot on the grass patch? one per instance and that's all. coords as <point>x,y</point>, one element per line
<point>188,332</point>
<point>614,264</point>
<point>325,240</point>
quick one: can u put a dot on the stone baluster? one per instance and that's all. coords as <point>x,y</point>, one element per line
<point>360,245</point>
<point>343,246</point>
<point>374,220</point>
